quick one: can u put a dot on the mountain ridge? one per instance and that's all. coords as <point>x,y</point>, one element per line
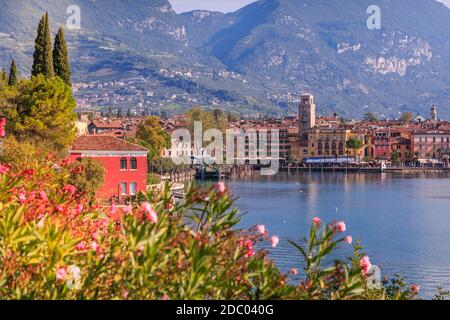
<point>276,48</point>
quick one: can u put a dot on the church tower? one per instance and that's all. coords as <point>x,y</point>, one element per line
<point>307,113</point>
<point>434,117</point>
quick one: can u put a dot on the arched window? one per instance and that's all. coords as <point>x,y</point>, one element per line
<point>123,164</point>
<point>327,145</point>
<point>320,145</point>
<point>133,164</point>
<point>320,152</point>
<point>333,145</point>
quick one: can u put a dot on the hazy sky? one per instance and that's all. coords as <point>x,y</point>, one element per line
<point>212,5</point>
<point>222,5</point>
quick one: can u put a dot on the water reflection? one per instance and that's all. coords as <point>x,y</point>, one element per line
<point>404,221</point>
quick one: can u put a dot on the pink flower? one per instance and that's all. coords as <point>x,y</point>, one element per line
<point>95,246</point>
<point>22,197</point>
<point>152,216</point>
<point>81,246</point>
<point>3,122</point>
<point>43,196</point>
<point>249,245</point>
<point>261,229</point>
<point>165,297</point>
<point>112,209</point>
<point>220,187</point>
<point>317,221</point>
<point>59,208</point>
<point>127,209</point>
<point>146,207</point>
<point>341,226</point>
<point>70,189</point>
<point>415,289</point>
<point>79,208</point>
<point>3,169</point>
<point>250,253</point>
<point>348,239</point>
<point>61,274</point>
<point>365,265</point>
<point>275,241</point>
<point>294,271</point>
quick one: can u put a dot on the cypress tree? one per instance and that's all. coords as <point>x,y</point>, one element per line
<point>43,55</point>
<point>61,61</point>
<point>13,78</point>
<point>3,77</point>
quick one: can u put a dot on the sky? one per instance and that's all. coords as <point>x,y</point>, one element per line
<point>222,5</point>
<point>211,5</point>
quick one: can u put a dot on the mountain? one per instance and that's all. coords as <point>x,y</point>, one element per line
<point>259,57</point>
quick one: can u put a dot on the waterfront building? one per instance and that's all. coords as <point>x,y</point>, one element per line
<point>430,144</point>
<point>125,164</point>
<point>390,140</point>
<point>326,138</point>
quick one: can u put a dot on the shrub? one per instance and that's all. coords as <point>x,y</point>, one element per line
<point>55,245</point>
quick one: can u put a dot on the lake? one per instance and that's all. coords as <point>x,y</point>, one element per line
<point>403,221</point>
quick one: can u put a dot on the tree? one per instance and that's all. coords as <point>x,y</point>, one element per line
<point>90,178</point>
<point>406,117</point>
<point>209,119</point>
<point>128,113</point>
<point>119,113</point>
<point>91,116</point>
<point>354,144</point>
<point>3,77</point>
<point>42,111</point>
<point>370,117</point>
<point>110,111</point>
<point>13,77</point>
<point>61,60</point>
<point>43,56</point>
<point>152,136</point>
<point>395,155</point>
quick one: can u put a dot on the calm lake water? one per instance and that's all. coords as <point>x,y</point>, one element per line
<point>402,221</point>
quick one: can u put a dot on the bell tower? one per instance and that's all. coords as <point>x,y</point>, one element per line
<point>434,117</point>
<point>307,113</point>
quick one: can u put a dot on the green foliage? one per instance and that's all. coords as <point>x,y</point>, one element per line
<point>153,178</point>
<point>354,144</point>
<point>214,119</point>
<point>3,77</point>
<point>40,110</point>
<point>370,116</point>
<point>43,56</point>
<point>406,117</point>
<point>87,175</point>
<point>61,60</point>
<point>19,152</point>
<point>152,136</point>
<point>165,165</point>
<point>56,245</point>
<point>13,77</point>
<point>395,155</point>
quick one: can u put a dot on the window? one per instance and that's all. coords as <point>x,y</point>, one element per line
<point>133,164</point>
<point>123,164</point>
<point>133,188</point>
<point>123,188</point>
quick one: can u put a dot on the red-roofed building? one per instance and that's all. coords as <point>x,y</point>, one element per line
<point>125,163</point>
